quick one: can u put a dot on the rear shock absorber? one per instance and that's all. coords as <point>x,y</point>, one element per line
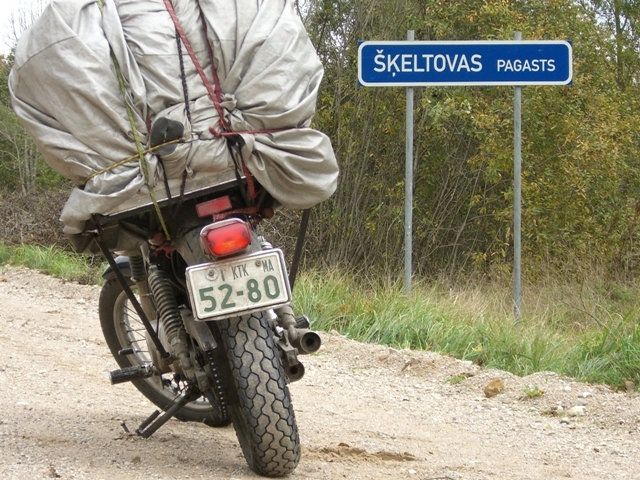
<point>169,315</point>
<point>139,275</point>
<point>138,272</point>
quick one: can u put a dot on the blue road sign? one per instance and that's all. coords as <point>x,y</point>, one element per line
<point>412,64</point>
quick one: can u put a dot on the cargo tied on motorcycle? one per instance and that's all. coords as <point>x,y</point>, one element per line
<point>268,74</point>
<point>198,131</point>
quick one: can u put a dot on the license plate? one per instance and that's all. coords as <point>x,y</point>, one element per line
<point>238,286</point>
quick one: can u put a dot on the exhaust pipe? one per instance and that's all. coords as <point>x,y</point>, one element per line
<point>307,341</point>
<point>294,372</point>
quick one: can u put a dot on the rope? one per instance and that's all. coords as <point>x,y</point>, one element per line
<point>253,132</point>
<point>136,135</point>
<point>214,72</point>
<point>214,93</point>
<point>129,159</point>
<point>183,77</point>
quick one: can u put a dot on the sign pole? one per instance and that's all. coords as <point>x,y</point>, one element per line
<point>517,196</point>
<point>465,63</point>
<point>408,187</point>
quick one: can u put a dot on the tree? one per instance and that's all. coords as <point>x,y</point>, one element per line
<point>580,142</point>
<point>21,19</point>
<point>21,165</point>
<point>621,18</point>
<point>18,154</point>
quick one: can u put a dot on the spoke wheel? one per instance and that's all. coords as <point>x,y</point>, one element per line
<point>123,329</point>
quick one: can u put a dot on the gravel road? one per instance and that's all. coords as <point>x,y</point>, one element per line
<point>364,411</point>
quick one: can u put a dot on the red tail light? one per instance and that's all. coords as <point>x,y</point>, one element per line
<point>226,237</point>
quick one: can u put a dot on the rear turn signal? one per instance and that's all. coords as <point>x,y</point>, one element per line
<point>225,238</point>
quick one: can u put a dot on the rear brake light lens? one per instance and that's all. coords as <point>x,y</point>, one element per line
<point>217,205</point>
<point>226,237</point>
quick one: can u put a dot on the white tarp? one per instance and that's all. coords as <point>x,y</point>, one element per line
<point>65,90</point>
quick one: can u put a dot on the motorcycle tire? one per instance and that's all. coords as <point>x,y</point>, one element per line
<point>263,414</point>
<point>123,329</point>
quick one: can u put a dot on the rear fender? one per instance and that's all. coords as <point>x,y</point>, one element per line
<point>123,265</point>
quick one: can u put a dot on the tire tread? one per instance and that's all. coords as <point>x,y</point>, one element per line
<point>272,444</point>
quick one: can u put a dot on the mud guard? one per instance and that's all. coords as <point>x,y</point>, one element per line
<point>123,265</point>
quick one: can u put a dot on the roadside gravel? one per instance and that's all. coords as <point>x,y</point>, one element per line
<point>364,411</point>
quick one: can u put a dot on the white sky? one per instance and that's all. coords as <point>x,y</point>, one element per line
<point>8,7</point>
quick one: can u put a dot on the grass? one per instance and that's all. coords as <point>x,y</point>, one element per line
<point>533,391</point>
<point>581,331</point>
<point>458,379</point>
<point>588,331</point>
<point>54,261</point>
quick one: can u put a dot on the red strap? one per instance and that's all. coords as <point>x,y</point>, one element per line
<point>233,133</point>
<point>214,93</point>
<point>251,187</point>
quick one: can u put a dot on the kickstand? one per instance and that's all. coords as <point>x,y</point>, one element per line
<point>155,420</point>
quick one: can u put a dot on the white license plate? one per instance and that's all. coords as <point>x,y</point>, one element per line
<point>238,286</point>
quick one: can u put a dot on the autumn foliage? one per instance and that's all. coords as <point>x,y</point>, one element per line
<point>581,174</point>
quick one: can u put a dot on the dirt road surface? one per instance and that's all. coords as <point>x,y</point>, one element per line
<point>364,411</point>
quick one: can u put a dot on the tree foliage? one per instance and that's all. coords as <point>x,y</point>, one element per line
<point>580,176</point>
<point>21,166</point>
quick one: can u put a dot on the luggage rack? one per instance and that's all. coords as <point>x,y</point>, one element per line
<point>121,229</point>
<point>201,185</point>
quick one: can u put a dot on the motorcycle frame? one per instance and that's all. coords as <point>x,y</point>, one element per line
<point>130,295</point>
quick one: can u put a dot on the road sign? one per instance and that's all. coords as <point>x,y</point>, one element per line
<point>412,64</point>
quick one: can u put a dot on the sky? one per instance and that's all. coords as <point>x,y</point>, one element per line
<point>9,7</point>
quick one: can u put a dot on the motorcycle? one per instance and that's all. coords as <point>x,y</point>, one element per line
<point>196,303</point>
<point>196,311</point>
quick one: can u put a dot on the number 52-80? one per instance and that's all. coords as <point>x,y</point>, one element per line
<point>254,293</point>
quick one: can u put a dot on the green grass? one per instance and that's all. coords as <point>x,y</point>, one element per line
<point>533,391</point>
<point>588,331</point>
<point>577,331</point>
<point>54,261</point>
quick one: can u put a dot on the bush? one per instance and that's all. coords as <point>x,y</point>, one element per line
<point>32,219</point>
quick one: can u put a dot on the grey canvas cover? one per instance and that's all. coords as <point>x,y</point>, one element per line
<point>65,90</point>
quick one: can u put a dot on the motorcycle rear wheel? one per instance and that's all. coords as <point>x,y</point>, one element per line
<point>263,415</point>
<point>122,329</point>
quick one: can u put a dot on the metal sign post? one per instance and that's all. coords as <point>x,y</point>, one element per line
<point>408,187</point>
<point>465,63</point>
<point>517,196</point>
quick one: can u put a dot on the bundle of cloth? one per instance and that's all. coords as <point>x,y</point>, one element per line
<point>92,78</point>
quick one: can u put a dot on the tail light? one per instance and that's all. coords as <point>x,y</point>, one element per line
<point>225,238</point>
